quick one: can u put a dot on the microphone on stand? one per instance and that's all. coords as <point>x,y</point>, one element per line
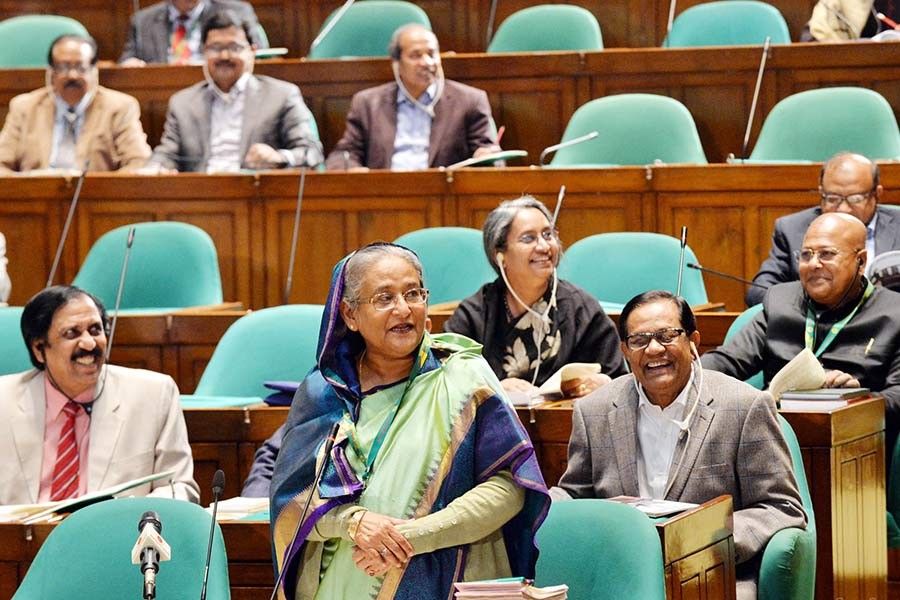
<point>559,201</point>
<point>296,233</point>
<point>573,142</point>
<point>330,25</point>
<point>681,259</point>
<point>65,231</point>
<point>218,485</point>
<point>115,319</point>
<point>150,550</point>
<point>329,443</point>
<point>726,275</point>
<point>670,21</point>
<point>492,14</point>
<point>759,76</point>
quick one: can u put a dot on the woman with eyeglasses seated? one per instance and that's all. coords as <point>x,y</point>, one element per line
<point>432,478</point>
<point>529,308</point>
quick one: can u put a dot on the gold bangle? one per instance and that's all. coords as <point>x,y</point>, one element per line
<point>353,524</point>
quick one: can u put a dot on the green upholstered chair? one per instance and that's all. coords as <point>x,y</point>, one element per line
<point>172,265</point>
<point>13,354</point>
<point>453,259</point>
<point>366,28</point>
<point>601,550</point>
<point>788,567</point>
<point>548,27</point>
<point>88,555</point>
<point>272,344</point>
<point>816,124</point>
<point>728,23</point>
<point>615,267</point>
<point>25,41</point>
<point>635,129</point>
<point>893,498</point>
<point>738,324</point>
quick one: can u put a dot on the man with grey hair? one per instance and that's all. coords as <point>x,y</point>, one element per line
<point>420,120</point>
<point>849,183</point>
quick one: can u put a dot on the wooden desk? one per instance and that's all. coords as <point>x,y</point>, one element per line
<point>698,552</point>
<point>729,209</point>
<point>843,453</point>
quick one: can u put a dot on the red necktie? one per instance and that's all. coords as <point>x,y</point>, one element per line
<point>65,473</point>
<point>181,52</point>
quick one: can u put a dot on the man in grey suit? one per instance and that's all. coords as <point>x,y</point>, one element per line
<point>420,120</point>
<point>154,35</point>
<point>672,431</point>
<point>235,119</point>
<point>73,424</point>
<point>849,183</point>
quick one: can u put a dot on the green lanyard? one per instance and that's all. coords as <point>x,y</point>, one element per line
<point>389,419</point>
<point>810,331</point>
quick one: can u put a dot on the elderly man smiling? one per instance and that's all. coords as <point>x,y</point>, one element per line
<point>73,425</point>
<point>854,327</point>
<point>672,431</point>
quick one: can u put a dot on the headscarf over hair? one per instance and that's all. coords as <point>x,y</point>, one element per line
<point>492,441</point>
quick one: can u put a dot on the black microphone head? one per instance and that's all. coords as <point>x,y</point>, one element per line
<point>218,482</point>
<point>693,266</point>
<point>152,518</point>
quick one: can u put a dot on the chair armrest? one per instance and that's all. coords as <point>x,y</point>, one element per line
<point>788,569</point>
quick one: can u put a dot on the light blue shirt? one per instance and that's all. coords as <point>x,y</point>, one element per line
<point>870,243</point>
<point>193,31</point>
<point>413,132</point>
<point>60,122</point>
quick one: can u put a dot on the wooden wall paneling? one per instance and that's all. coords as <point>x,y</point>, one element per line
<point>283,22</point>
<point>32,229</point>
<point>209,457</point>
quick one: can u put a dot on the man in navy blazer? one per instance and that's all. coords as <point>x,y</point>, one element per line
<point>848,183</point>
<point>420,120</point>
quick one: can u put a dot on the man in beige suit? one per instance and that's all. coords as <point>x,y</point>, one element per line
<point>73,119</point>
<point>73,425</point>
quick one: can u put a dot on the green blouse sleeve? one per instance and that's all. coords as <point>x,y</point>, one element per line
<point>474,515</point>
<point>333,524</point>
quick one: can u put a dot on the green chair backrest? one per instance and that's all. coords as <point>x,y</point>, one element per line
<point>616,267</point>
<point>172,265</point>
<point>757,380</point>
<point>788,567</point>
<point>25,41</point>
<point>447,276</point>
<point>548,27</point>
<point>635,129</point>
<point>272,344</point>
<point>601,550</point>
<point>728,23</point>
<point>13,354</point>
<point>366,28</point>
<point>88,555</point>
<point>816,124</point>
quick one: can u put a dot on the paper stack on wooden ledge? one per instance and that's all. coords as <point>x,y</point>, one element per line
<point>512,588</point>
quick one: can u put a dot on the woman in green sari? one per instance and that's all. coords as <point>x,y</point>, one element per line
<point>431,480</point>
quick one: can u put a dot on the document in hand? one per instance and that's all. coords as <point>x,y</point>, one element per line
<point>803,372</point>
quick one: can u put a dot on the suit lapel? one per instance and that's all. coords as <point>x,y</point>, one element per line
<point>201,114</point>
<point>439,125</point>
<point>622,421</point>
<point>161,42</point>
<point>45,113</point>
<point>106,424</point>
<point>249,120</point>
<point>385,116</point>
<point>85,136</point>
<point>688,456</point>
<point>28,433</point>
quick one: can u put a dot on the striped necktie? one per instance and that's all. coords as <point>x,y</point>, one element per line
<point>66,150</point>
<point>65,473</point>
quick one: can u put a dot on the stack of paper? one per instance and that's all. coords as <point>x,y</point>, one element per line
<point>822,399</point>
<point>512,588</point>
<point>653,507</point>
<point>238,508</point>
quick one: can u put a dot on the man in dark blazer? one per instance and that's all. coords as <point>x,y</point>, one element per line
<point>235,120</point>
<point>150,35</point>
<point>848,183</point>
<point>674,431</point>
<point>441,122</point>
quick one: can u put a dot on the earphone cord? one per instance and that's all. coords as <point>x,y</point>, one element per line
<point>543,326</point>
<point>685,424</point>
<point>439,89</point>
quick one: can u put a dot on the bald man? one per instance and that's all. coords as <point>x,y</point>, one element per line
<point>848,183</point>
<point>856,325</point>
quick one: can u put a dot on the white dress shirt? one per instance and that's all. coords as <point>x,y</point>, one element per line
<point>657,433</point>
<point>226,124</point>
<point>870,243</point>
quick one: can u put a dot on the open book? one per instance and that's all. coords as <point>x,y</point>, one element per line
<point>32,513</point>
<point>551,390</point>
<point>803,372</point>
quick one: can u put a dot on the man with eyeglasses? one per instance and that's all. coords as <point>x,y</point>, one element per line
<point>849,183</point>
<point>233,119</point>
<point>169,31</point>
<point>673,431</point>
<point>850,325</point>
<point>73,120</point>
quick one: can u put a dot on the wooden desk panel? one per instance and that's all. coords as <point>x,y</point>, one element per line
<point>729,208</point>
